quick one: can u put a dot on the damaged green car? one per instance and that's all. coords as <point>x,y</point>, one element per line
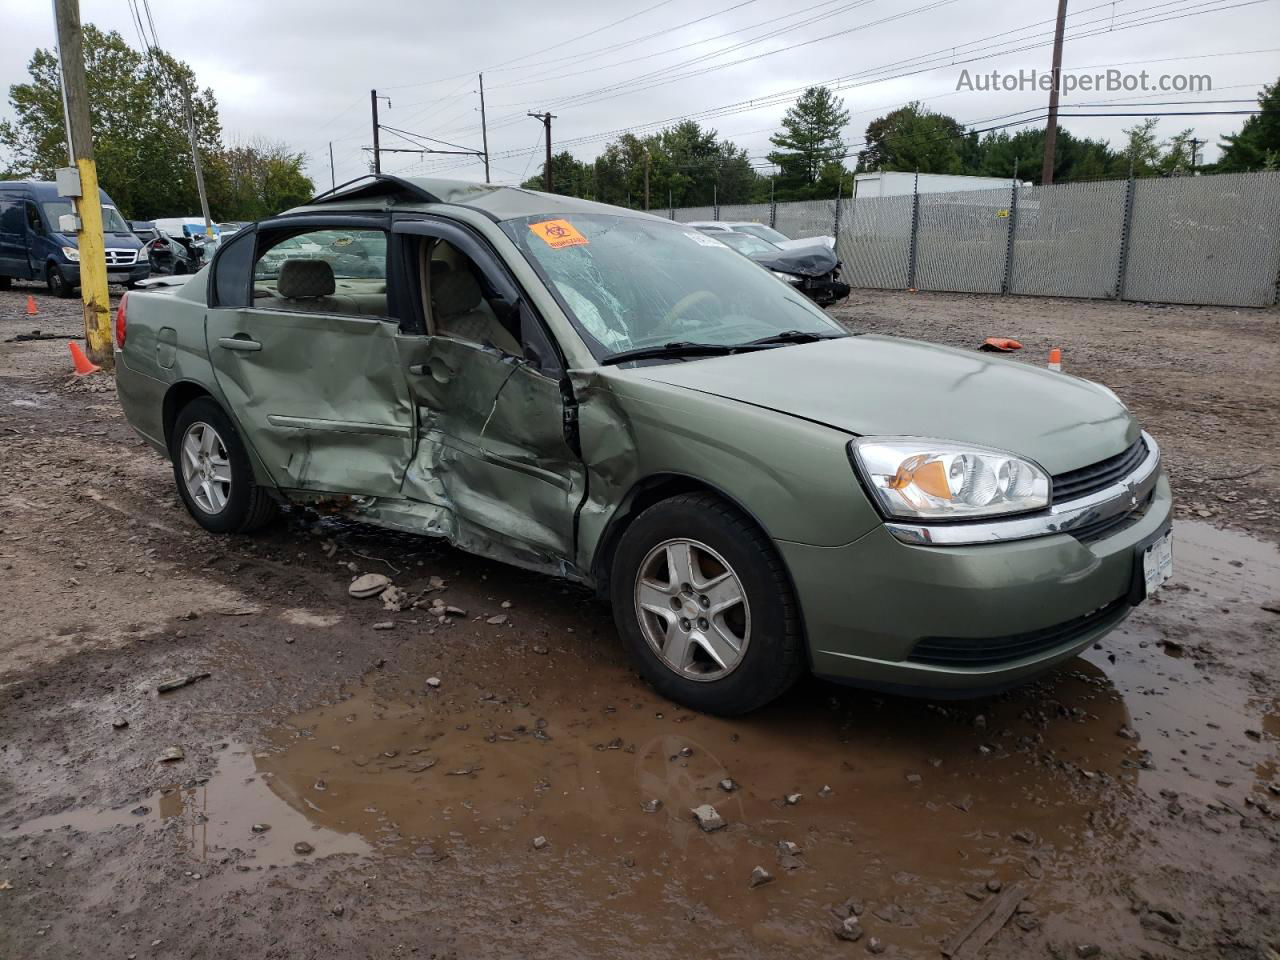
<point>614,398</point>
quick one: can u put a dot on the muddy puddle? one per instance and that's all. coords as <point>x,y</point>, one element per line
<point>916,811</point>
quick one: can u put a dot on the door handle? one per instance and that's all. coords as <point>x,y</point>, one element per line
<point>240,342</point>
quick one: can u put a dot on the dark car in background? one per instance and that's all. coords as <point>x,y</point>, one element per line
<point>168,256</point>
<point>33,246</point>
<point>813,270</point>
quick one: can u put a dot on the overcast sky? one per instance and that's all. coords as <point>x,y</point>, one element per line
<point>301,72</point>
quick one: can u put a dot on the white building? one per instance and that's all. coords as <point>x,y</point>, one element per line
<point>897,183</point>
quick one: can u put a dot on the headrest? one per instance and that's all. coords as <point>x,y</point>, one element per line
<point>305,278</point>
<point>439,268</point>
<point>455,293</point>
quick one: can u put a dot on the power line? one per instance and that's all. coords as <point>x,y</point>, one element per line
<point>850,81</point>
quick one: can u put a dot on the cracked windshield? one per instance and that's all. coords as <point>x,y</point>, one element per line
<point>630,283</point>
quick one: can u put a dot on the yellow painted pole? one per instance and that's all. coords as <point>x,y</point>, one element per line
<point>89,239</point>
<point>93,267</point>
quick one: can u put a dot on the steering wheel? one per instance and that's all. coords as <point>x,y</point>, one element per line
<point>684,303</point>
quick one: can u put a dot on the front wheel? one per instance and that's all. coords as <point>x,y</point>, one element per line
<point>211,467</point>
<point>59,286</point>
<point>702,598</point>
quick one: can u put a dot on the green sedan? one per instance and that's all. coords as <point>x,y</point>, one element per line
<point>617,399</point>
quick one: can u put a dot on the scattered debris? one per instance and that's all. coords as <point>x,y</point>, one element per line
<point>385,625</point>
<point>791,799</point>
<point>968,944</point>
<point>119,724</point>
<point>728,785</point>
<point>826,791</point>
<point>260,827</point>
<point>539,842</point>
<point>707,818</point>
<point>651,806</point>
<point>369,585</point>
<point>433,682</point>
<point>302,848</point>
<point>540,650</point>
<point>849,929</point>
<point>177,683</point>
<point>171,754</point>
<point>875,945</point>
<point>760,876</point>
<point>497,620</point>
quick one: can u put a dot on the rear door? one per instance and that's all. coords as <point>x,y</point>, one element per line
<point>310,366</point>
<point>492,400</point>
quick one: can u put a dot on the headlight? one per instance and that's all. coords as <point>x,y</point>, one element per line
<point>942,479</point>
<point>789,277</point>
<point>71,253</point>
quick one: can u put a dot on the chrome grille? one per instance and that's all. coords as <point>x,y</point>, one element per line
<point>121,258</point>
<point>1075,484</point>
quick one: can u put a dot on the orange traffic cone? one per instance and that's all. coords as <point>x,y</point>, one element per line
<point>84,366</point>
<point>31,305</point>
<point>1055,359</point>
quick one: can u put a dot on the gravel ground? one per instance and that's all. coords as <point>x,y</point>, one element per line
<point>501,784</point>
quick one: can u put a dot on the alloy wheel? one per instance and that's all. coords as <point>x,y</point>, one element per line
<point>693,610</point>
<point>206,470</point>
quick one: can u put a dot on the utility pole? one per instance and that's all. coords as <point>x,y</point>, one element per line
<point>546,119</point>
<point>377,159</point>
<point>484,131</point>
<point>646,178</point>
<point>1194,145</point>
<point>195,160</point>
<point>88,204</point>
<point>1051,131</point>
<point>333,181</point>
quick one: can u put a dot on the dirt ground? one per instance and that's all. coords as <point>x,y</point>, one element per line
<point>346,780</point>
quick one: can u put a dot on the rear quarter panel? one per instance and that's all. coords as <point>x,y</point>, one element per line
<point>164,346</point>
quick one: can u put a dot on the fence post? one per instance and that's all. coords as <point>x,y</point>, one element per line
<point>915,228</point>
<point>715,202</point>
<point>773,208</point>
<point>671,205</point>
<point>835,222</point>
<point>1122,267</point>
<point>1007,282</point>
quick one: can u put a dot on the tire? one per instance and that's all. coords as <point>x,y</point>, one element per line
<point>234,505</point>
<point>59,286</point>
<point>179,269</point>
<point>730,555</point>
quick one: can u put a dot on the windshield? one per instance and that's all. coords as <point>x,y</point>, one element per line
<point>631,282</point>
<point>112,222</point>
<point>761,231</point>
<point>746,244</point>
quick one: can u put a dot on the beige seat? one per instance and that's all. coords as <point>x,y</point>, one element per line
<point>459,310</point>
<point>308,285</point>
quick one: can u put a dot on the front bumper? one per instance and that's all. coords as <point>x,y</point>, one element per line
<point>122,274</point>
<point>824,291</point>
<point>868,605</point>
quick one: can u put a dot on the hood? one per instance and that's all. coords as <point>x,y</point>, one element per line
<point>828,242</point>
<point>811,260</point>
<point>883,386</point>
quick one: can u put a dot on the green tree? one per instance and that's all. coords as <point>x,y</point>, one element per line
<point>1141,152</point>
<point>811,139</point>
<point>1257,145</point>
<point>141,146</point>
<point>259,179</point>
<point>1075,158</point>
<point>1175,154</point>
<point>913,138</point>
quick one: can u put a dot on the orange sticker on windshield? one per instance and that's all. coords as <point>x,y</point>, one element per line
<point>558,233</point>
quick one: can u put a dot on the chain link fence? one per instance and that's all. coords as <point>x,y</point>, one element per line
<point>1202,240</point>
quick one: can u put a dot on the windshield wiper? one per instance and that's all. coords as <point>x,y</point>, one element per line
<point>676,348</point>
<point>791,336</point>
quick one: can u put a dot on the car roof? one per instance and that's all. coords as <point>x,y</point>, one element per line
<point>498,203</point>
<point>46,190</point>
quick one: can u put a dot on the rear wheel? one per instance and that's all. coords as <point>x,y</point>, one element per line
<point>211,467</point>
<point>703,600</point>
<point>59,286</point>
